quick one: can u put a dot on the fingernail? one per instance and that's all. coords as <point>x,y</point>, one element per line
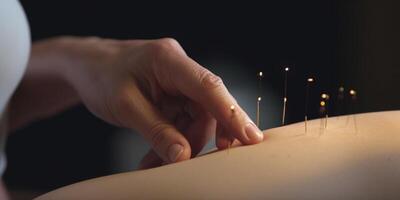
<point>174,151</point>
<point>253,133</point>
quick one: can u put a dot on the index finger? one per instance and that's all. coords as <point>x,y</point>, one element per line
<point>204,87</point>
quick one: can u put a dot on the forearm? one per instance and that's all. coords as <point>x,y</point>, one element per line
<point>43,91</point>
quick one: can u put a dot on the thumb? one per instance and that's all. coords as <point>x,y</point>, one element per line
<point>135,111</point>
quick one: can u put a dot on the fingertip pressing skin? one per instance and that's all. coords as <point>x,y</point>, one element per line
<point>171,145</point>
<point>178,152</point>
<point>253,133</point>
<point>243,128</point>
<point>174,152</point>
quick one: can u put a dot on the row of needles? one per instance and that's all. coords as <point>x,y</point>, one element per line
<point>323,103</point>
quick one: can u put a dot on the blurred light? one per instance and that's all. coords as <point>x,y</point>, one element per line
<point>325,96</point>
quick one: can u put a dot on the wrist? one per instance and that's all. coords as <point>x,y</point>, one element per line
<point>77,58</point>
<point>45,89</point>
<point>50,58</point>
<point>50,61</point>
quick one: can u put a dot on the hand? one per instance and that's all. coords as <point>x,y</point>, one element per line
<point>152,86</point>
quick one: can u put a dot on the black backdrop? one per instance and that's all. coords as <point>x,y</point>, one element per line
<point>350,43</point>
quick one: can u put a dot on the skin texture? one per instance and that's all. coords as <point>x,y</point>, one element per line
<point>151,86</point>
<point>339,162</point>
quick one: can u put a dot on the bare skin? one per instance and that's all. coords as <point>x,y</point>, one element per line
<point>151,86</point>
<point>339,162</point>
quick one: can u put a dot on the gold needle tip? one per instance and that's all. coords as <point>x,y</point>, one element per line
<point>232,108</point>
<point>325,96</point>
<point>352,92</point>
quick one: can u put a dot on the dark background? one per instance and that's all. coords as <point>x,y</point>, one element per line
<point>354,44</point>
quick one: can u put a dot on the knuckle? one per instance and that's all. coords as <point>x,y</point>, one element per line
<point>162,51</point>
<point>209,80</point>
<point>169,43</point>
<point>157,133</point>
<point>163,47</point>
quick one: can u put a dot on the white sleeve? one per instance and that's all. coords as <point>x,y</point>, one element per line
<point>14,48</point>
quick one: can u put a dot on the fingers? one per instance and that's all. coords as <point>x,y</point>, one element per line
<point>134,111</point>
<point>201,129</point>
<point>181,73</point>
<point>198,130</point>
<point>223,140</point>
